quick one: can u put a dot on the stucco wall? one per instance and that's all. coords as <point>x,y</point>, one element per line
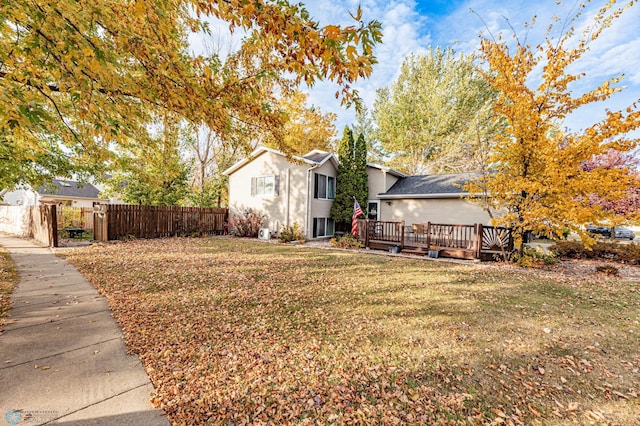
<point>24,197</point>
<point>15,220</point>
<point>281,210</point>
<point>449,211</point>
<point>319,207</point>
<point>379,182</point>
<point>75,202</point>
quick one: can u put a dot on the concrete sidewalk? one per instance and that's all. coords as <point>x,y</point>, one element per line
<point>62,356</point>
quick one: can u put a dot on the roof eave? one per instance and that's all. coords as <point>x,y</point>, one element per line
<point>260,150</point>
<point>426,196</point>
<point>71,197</point>
<point>331,157</point>
<point>386,169</point>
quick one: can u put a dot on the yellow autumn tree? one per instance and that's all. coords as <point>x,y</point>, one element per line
<point>535,179</point>
<point>305,127</point>
<point>79,78</point>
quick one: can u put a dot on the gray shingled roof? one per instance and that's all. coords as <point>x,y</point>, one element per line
<point>318,157</point>
<point>430,185</point>
<point>69,188</point>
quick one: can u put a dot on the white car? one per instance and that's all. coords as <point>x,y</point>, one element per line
<point>624,234</point>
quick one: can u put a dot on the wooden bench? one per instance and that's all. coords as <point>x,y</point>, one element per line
<point>74,232</point>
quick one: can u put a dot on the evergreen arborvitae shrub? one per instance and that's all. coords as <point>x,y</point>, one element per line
<point>342,208</point>
<point>360,176</point>
<point>352,179</point>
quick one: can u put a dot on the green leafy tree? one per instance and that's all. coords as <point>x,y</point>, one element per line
<point>428,120</point>
<point>89,76</point>
<point>365,126</point>
<point>35,165</point>
<point>537,179</point>
<point>156,175</point>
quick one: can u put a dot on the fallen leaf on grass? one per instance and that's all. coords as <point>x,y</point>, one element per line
<point>620,394</point>
<point>232,333</point>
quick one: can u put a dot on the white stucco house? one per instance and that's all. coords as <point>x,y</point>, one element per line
<point>302,190</point>
<point>288,190</point>
<point>59,191</point>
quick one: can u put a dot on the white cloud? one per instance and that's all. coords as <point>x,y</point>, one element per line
<point>406,31</point>
<point>403,30</point>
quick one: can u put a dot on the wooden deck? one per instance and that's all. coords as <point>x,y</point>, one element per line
<point>437,240</point>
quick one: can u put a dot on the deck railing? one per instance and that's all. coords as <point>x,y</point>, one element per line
<point>385,231</point>
<point>478,241</point>
<point>444,235</point>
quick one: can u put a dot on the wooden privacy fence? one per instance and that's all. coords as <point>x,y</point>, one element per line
<point>460,241</point>
<point>119,221</point>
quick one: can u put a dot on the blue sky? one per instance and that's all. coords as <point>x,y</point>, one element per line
<point>412,26</point>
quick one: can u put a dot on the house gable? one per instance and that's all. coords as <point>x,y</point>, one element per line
<point>381,179</point>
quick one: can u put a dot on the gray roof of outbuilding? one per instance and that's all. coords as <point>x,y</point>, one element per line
<point>430,185</point>
<point>69,188</point>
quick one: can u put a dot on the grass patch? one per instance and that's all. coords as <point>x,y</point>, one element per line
<point>8,281</point>
<point>234,331</point>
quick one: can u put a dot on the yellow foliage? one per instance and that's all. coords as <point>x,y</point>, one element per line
<point>93,74</point>
<point>305,128</point>
<point>536,180</point>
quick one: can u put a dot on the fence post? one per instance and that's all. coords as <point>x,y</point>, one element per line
<point>366,233</point>
<point>53,226</point>
<point>428,234</point>
<point>105,224</point>
<point>402,236</point>
<point>479,232</point>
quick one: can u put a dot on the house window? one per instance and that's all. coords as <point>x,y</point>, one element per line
<point>323,227</point>
<point>373,212</point>
<point>265,186</point>
<point>324,187</point>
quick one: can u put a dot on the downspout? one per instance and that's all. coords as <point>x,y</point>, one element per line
<point>386,188</point>
<point>288,203</point>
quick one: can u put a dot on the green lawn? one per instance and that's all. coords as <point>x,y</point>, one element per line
<point>8,280</point>
<point>234,331</point>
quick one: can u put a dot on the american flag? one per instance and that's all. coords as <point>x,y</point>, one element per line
<point>357,211</point>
